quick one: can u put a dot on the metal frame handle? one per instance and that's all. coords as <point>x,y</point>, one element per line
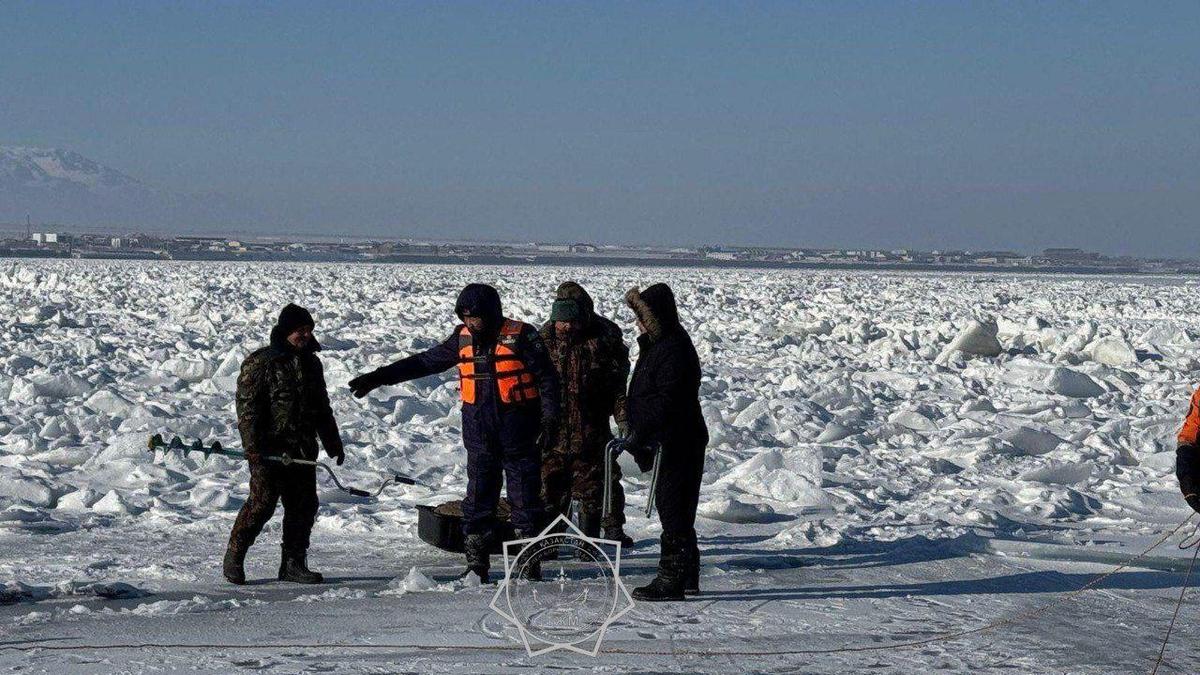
<point>654,480</point>
<point>609,457</point>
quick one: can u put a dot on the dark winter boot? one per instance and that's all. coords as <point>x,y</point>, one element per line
<point>475,550</point>
<point>529,568</point>
<point>617,533</point>
<point>589,525</point>
<point>672,572</point>
<point>691,582</point>
<point>294,568</point>
<point>234,566</point>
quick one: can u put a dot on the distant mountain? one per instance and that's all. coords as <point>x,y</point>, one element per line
<point>61,186</point>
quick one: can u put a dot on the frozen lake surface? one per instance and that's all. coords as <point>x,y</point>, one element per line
<point>893,456</point>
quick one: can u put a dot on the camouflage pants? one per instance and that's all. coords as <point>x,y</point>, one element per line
<point>270,483</point>
<point>567,475</point>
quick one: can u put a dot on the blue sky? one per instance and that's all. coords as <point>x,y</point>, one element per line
<point>886,124</point>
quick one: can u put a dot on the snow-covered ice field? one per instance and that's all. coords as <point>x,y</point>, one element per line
<point>867,482</point>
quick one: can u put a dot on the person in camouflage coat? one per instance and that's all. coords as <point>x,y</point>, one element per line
<point>282,409</point>
<point>593,365</point>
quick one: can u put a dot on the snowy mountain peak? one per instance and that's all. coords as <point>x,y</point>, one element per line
<point>56,185</point>
<point>52,168</point>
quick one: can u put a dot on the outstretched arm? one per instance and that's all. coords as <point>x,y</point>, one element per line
<point>436,359</point>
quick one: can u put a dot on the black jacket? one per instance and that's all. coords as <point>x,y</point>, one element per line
<point>663,402</point>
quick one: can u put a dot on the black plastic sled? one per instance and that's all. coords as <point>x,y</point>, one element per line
<point>441,526</point>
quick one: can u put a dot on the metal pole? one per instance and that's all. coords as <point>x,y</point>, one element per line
<point>654,480</point>
<point>606,510</point>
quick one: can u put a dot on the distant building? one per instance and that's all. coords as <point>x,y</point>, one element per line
<point>1070,255</point>
<point>115,242</point>
<point>995,254</point>
<point>554,248</point>
<point>949,256</point>
<point>584,248</point>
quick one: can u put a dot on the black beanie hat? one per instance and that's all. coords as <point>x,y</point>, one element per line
<point>292,317</point>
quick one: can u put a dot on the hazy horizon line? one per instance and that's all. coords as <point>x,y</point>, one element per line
<point>19,228</point>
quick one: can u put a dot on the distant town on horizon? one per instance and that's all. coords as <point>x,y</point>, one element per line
<point>91,243</point>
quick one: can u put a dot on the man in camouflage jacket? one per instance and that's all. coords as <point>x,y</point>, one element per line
<point>593,365</point>
<point>282,409</point>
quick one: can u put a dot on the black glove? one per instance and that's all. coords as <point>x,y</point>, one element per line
<point>336,451</point>
<point>548,433</point>
<point>365,383</point>
<point>644,457</point>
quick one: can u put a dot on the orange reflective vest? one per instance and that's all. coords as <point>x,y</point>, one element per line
<point>513,380</point>
<point>1190,433</point>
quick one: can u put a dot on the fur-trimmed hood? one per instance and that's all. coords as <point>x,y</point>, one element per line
<point>656,308</point>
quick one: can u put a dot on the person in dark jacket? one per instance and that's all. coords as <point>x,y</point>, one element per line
<point>592,361</point>
<point>282,409</point>
<point>663,408</point>
<point>509,394</point>
<point>1187,454</point>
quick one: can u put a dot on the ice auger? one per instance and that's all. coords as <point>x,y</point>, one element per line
<point>156,442</point>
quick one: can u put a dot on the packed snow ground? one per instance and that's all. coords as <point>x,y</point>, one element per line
<point>892,457</point>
